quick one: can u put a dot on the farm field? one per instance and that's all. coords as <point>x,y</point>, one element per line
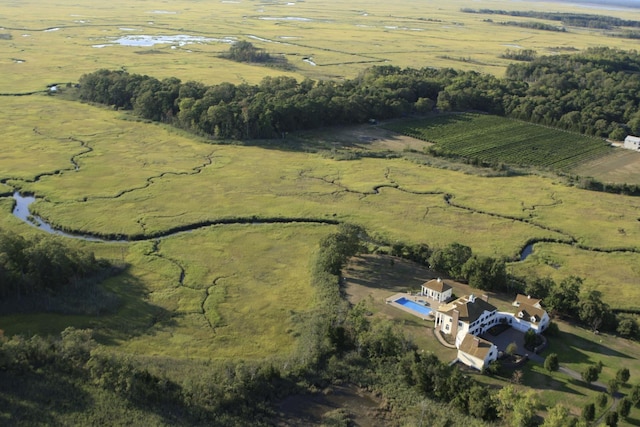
<point>57,41</point>
<point>494,140</point>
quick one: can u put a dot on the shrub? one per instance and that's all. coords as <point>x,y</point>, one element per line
<point>589,412</point>
<point>622,375</point>
<point>551,363</point>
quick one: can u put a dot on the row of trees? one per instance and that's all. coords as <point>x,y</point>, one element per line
<point>568,299</point>
<point>567,18</point>
<point>30,265</point>
<point>596,92</point>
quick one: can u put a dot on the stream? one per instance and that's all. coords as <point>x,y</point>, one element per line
<point>21,211</point>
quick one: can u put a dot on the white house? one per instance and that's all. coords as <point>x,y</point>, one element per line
<point>437,289</point>
<point>466,315</point>
<point>476,352</point>
<point>529,315</point>
<point>632,143</point>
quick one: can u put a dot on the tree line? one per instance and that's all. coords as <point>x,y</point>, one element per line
<point>585,20</point>
<point>595,92</point>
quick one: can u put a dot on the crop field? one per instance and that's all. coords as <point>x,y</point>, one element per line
<point>48,42</point>
<point>495,139</point>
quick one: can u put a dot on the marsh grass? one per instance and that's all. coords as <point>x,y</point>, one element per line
<point>341,38</point>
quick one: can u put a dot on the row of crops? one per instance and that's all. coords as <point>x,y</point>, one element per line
<point>493,140</point>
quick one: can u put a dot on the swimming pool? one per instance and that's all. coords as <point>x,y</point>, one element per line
<point>413,306</point>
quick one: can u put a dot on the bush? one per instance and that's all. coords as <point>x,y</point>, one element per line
<point>622,375</point>
<point>551,363</point>
<point>589,412</point>
<point>590,374</point>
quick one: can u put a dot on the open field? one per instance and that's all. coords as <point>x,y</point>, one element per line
<point>142,184</point>
<point>620,166</point>
<point>57,41</point>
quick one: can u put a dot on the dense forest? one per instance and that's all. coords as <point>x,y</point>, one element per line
<point>595,92</point>
<point>40,264</point>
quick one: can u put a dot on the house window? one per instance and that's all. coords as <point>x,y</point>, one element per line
<point>446,327</point>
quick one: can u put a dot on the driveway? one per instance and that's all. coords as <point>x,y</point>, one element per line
<point>507,337</point>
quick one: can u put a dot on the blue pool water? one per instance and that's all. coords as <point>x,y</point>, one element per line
<point>414,306</point>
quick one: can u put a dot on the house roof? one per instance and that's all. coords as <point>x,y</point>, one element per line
<point>475,346</point>
<point>526,299</point>
<point>469,308</point>
<point>631,138</point>
<point>528,311</point>
<point>437,285</point>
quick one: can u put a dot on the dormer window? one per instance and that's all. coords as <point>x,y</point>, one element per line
<point>520,314</point>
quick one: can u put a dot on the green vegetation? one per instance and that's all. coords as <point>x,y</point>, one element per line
<point>492,140</point>
<point>563,91</point>
<point>568,19</point>
<point>42,264</point>
<point>225,303</point>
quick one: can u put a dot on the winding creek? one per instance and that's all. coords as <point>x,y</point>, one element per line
<point>21,211</point>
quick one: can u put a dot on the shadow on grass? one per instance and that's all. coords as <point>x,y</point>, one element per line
<point>387,272</point>
<point>127,313</point>
<point>632,421</point>
<point>135,316</point>
<point>573,348</point>
<point>30,398</point>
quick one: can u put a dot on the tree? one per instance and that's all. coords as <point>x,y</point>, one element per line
<point>602,399</point>
<point>564,297</point>
<point>589,412</point>
<point>551,363</point>
<point>623,375</point>
<point>611,419</point>
<point>530,339</point>
<point>540,287</point>
<point>511,349</point>
<point>516,408</point>
<point>590,374</point>
<point>450,259</point>
<point>592,310</point>
<point>613,386</point>
<point>627,327</point>
<point>634,395</point>
<point>558,416</point>
<point>485,273</point>
<point>624,407</point>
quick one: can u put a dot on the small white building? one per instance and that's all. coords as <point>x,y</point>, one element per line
<point>437,289</point>
<point>632,143</point>
<point>476,352</point>
<point>529,315</point>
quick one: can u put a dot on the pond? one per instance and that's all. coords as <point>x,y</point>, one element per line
<point>142,40</point>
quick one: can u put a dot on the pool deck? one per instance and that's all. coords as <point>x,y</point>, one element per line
<point>412,297</point>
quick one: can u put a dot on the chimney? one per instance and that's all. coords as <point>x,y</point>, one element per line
<point>454,327</point>
<point>439,280</point>
<point>472,298</point>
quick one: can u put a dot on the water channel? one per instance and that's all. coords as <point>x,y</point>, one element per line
<point>21,211</point>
